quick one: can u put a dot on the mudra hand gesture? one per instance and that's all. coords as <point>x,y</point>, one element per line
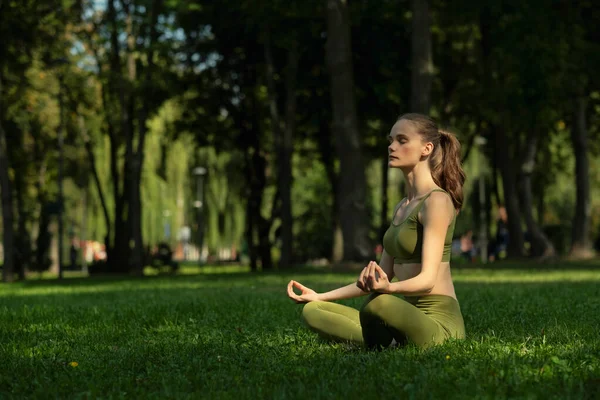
<point>373,279</point>
<point>306,296</point>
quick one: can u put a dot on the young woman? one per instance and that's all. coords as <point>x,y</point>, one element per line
<point>417,248</point>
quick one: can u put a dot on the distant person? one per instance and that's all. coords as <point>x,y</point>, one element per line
<point>500,243</point>
<point>467,248</point>
<point>417,249</point>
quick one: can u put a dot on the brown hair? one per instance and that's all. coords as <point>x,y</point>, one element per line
<point>445,160</point>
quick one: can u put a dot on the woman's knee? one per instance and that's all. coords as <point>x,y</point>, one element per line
<point>310,309</point>
<point>376,304</point>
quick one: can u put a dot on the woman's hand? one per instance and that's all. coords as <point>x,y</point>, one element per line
<point>306,296</point>
<point>373,279</point>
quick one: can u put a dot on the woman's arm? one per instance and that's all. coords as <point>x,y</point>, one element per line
<point>356,289</point>
<point>345,292</point>
<point>436,215</point>
<point>307,295</point>
<point>350,291</point>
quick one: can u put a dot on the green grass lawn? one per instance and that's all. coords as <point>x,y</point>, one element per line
<point>531,334</point>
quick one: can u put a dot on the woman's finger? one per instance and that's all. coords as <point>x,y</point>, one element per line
<point>381,272</point>
<point>299,285</point>
<point>360,282</point>
<point>373,273</point>
<point>295,297</point>
<point>367,273</point>
<point>290,289</point>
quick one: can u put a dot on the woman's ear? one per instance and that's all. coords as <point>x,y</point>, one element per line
<point>427,149</point>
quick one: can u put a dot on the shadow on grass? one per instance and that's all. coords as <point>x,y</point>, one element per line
<point>514,329</point>
<point>238,363</point>
<point>512,310</point>
<point>299,271</point>
<point>214,275</point>
<point>531,264</point>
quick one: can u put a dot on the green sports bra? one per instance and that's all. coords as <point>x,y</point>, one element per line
<point>404,241</point>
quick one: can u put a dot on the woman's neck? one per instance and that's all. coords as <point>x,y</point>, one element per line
<point>419,182</point>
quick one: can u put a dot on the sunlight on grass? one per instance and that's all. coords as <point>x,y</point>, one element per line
<point>517,276</point>
<point>226,333</point>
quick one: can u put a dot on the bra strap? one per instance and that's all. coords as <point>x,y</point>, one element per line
<point>429,194</point>
<point>420,205</point>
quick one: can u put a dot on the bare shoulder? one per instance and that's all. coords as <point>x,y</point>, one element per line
<point>438,206</point>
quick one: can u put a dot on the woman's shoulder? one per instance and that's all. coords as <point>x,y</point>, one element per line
<point>438,204</point>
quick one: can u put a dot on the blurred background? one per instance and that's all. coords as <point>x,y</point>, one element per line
<point>143,132</point>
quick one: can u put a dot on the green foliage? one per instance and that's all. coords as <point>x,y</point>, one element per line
<point>312,210</point>
<point>224,191</point>
<point>222,335</point>
<point>495,64</point>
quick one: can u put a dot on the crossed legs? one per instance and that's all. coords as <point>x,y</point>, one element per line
<point>381,319</point>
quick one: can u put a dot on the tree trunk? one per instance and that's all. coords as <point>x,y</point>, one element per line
<point>541,206</point>
<point>7,205</point>
<point>326,150</point>
<point>352,210</point>
<point>92,160</point>
<point>250,219</point>
<point>106,93</point>
<point>581,245</point>
<point>84,234</point>
<point>422,62</point>
<point>44,238</point>
<point>283,139</point>
<point>285,186</point>
<point>249,233</point>
<point>540,245</point>
<point>127,97</point>
<point>120,243</point>
<point>114,173</point>
<point>540,189</point>
<point>257,226</point>
<point>22,240</point>
<point>119,261</point>
<point>135,211</point>
<point>263,225</point>
<point>41,257</point>
<point>511,200</point>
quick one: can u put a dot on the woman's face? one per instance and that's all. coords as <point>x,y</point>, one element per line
<point>406,147</point>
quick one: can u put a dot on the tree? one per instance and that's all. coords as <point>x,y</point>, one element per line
<point>124,43</point>
<point>422,62</point>
<point>7,201</point>
<point>283,134</point>
<point>39,27</point>
<point>351,186</point>
<point>583,63</point>
<point>581,243</point>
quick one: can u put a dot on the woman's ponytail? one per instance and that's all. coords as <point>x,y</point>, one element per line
<point>448,173</point>
<point>445,161</point>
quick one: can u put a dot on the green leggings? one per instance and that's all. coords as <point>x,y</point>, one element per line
<point>424,320</point>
